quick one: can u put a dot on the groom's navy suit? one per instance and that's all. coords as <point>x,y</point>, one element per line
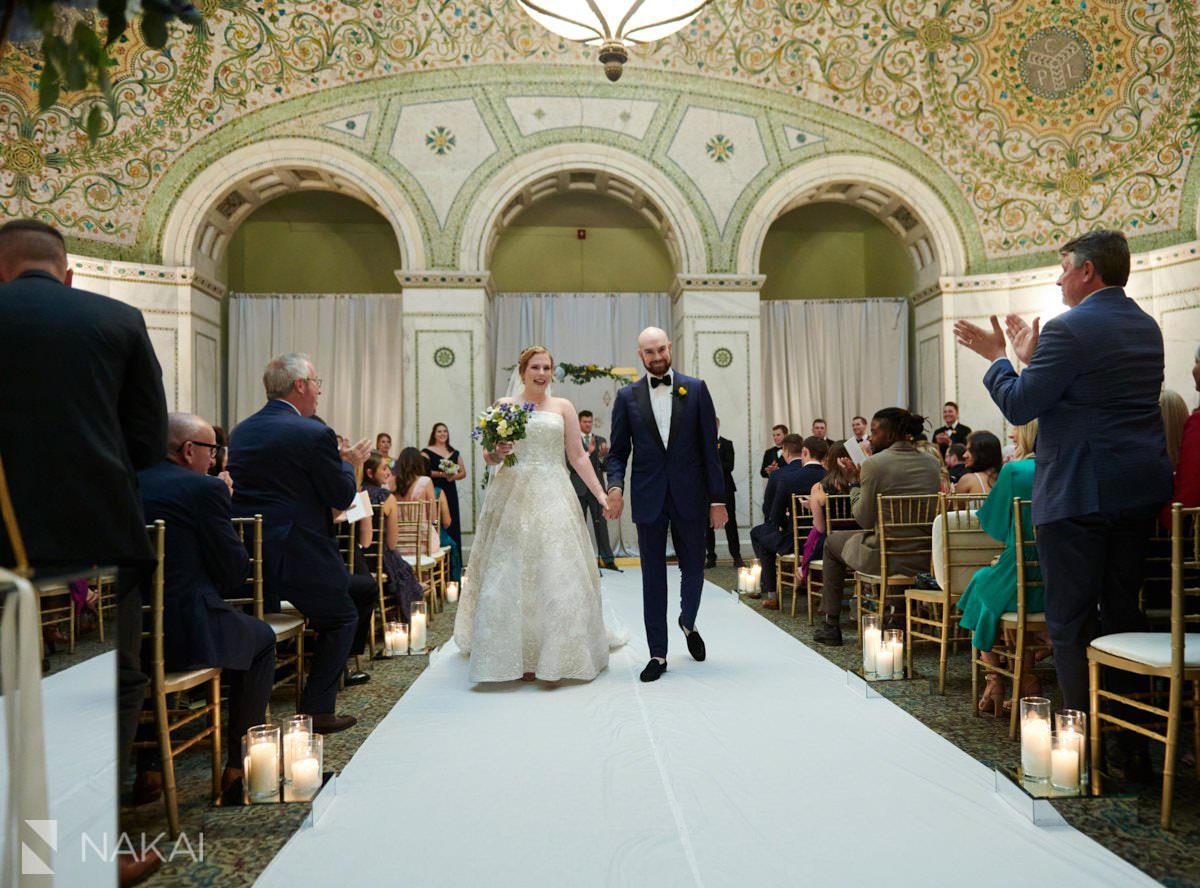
<point>671,488</point>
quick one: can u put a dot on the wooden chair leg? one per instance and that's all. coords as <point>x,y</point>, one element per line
<point>1169,756</point>
<point>908,637</point>
<point>1196,724</point>
<point>811,591</point>
<point>299,668</point>
<point>945,646</point>
<point>215,691</point>
<point>1094,705</point>
<point>974,680</point>
<point>170,796</point>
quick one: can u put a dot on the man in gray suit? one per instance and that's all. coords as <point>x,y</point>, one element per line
<point>1092,381</point>
<point>596,447</point>
<point>897,467</point>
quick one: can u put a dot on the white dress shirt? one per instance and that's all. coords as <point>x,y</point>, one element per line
<point>660,403</point>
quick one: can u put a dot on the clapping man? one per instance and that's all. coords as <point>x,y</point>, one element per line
<point>287,467</point>
<point>773,537</point>
<point>1092,380</point>
<point>596,447</point>
<point>953,432</point>
<point>772,459</point>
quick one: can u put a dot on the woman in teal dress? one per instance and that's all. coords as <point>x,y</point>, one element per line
<point>992,591</point>
<point>446,536</point>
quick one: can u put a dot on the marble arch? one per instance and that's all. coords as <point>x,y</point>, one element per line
<point>906,203</point>
<point>209,210</point>
<point>597,168</point>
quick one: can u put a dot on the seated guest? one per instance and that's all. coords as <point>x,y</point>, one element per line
<point>205,563</point>
<point>413,486</point>
<point>955,467</point>
<point>992,591</point>
<point>287,468</point>
<point>1174,415</point>
<point>773,456</point>
<point>932,449</point>
<point>953,432</point>
<point>983,462</point>
<point>896,468</point>
<point>836,482</point>
<point>402,582</point>
<point>802,469</point>
<point>1187,467</point>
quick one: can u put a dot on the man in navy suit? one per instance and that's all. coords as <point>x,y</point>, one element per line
<point>205,563</point>
<point>802,470</point>
<point>668,421</point>
<point>1092,381</point>
<point>287,467</point>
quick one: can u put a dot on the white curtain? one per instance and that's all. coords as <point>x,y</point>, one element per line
<point>832,359</point>
<point>354,341</point>
<point>579,328</point>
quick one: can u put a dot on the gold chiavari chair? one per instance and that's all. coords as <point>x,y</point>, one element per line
<point>413,545</point>
<point>838,516</point>
<point>1014,644</point>
<point>1154,595</point>
<point>106,599</point>
<point>57,608</point>
<point>904,526</point>
<point>168,721</point>
<point>960,547</point>
<point>374,556</point>
<point>785,565</point>
<point>288,626</point>
<point>1173,657</point>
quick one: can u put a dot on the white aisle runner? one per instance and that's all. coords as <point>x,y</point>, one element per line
<point>758,767</point>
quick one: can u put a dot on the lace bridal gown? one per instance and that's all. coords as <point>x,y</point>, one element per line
<point>533,601</point>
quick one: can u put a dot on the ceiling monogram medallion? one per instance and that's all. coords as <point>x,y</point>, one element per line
<point>1055,62</point>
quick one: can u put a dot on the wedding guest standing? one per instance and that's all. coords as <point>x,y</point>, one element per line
<point>1187,469</point>
<point>446,469</point>
<point>596,448</point>
<point>383,446</point>
<point>725,452</point>
<point>1092,379</point>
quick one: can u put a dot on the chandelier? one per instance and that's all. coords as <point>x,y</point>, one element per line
<point>613,25</point>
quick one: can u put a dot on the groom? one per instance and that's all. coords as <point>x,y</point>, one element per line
<point>669,422</point>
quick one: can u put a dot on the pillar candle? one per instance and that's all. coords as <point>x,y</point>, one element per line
<point>1035,748</point>
<point>306,774</point>
<point>755,576</point>
<point>883,662</point>
<point>898,658</point>
<point>870,647</point>
<point>264,769</point>
<point>417,633</point>
<point>295,746</point>
<point>452,592</point>
<point>1064,767</point>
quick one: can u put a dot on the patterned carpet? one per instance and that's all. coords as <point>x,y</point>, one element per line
<point>238,843</point>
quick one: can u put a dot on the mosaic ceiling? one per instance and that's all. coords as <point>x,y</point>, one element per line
<point>1050,117</point>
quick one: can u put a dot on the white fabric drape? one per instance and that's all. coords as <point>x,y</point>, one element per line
<point>579,328</point>
<point>354,341</point>
<point>832,359</point>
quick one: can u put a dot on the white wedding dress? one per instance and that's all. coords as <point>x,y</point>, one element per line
<point>532,602</point>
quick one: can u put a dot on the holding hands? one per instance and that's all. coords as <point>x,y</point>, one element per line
<point>614,504</point>
<point>989,345</point>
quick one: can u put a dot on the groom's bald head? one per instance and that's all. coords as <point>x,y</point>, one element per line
<point>654,348</point>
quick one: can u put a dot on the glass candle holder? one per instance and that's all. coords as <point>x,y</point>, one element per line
<point>296,733</point>
<point>308,768</point>
<point>1064,761</point>
<point>1072,724</point>
<point>1035,739</point>
<point>755,576</point>
<point>261,762</point>
<point>395,640</point>
<point>417,627</point>
<point>872,639</point>
<point>893,640</point>
<point>452,592</point>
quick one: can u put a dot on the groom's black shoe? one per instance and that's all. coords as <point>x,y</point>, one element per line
<point>654,670</point>
<point>694,642</point>
<point>612,565</point>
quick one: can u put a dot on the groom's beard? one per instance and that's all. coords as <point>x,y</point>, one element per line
<point>658,367</point>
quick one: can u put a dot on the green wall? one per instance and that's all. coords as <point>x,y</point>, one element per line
<point>313,242</point>
<point>832,251</point>
<point>541,250</point>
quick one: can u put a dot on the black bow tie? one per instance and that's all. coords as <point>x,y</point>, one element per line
<point>656,381</point>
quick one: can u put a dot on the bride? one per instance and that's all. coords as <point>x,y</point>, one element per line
<point>532,607</point>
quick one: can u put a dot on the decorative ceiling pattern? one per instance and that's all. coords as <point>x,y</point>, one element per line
<point>1050,117</point>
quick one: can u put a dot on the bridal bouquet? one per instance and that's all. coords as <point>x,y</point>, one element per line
<point>502,422</point>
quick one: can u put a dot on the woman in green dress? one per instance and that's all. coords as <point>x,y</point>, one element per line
<point>992,591</point>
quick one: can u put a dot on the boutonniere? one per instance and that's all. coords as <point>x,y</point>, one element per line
<point>681,391</point>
